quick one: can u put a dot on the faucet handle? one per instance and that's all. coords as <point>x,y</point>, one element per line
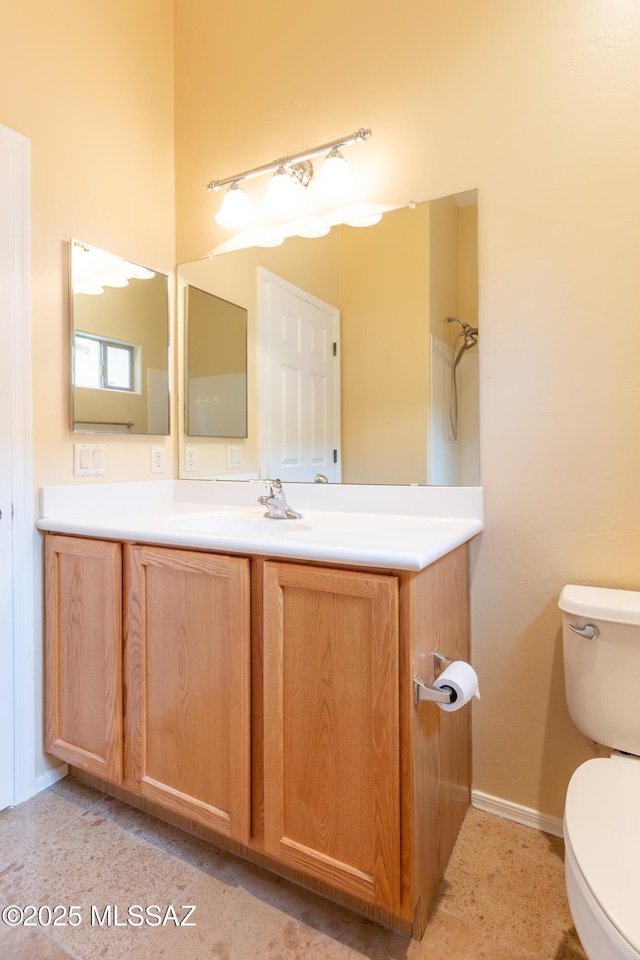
<point>274,487</point>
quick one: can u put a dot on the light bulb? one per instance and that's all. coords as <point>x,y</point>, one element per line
<point>235,211</point>
<point>282,194</point>
<point>335,177</point>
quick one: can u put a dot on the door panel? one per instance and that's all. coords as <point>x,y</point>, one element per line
<point>331,727</point>
<point>84,654</point>
<point>187,666</point>
<point>300,397</point>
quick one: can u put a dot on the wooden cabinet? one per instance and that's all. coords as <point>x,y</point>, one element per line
<point>187,674</point>
<point>269,706</point>
<point>84,654</point>
<point>331,727</point>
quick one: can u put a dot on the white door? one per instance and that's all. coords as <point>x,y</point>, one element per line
<point>300,383</point>
<point>17,647</point>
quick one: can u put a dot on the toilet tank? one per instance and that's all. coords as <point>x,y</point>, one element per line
<point>602,675</point>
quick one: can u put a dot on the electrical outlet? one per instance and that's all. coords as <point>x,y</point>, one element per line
<point>190,459</point>
<point>157,459</point>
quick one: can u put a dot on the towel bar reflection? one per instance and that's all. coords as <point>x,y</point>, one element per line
<point>108,423</point>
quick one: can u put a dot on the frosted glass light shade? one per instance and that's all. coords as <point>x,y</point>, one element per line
<point>336,181</point>
<point>235,212</point>
<point>369,221</point>
<point>281,195</point>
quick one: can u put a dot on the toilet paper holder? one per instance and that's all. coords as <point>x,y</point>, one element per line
<point>422,690</point>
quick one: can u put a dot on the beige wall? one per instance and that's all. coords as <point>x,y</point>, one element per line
<point>468,263</point>
<point>384,305</point>
<point>444,273</point>
<point>536,105</point>
<point>91,86</point>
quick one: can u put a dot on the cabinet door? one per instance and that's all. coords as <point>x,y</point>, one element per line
<point>84,654</point>
<point>331,727</point>
<point>187,658</point>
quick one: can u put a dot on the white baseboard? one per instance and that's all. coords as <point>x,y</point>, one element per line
<point>51,776</point>
<point>513,811</point>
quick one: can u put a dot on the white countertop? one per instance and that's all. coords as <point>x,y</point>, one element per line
<point>404,528</point>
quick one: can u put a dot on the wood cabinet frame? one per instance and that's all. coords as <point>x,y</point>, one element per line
<point>421,755</point>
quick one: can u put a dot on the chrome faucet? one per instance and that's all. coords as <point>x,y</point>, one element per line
<point>276,503</point>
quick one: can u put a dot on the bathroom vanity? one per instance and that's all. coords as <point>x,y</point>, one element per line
<point>252,680</point>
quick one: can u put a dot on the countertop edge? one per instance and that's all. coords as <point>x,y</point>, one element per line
<point>449,537</point>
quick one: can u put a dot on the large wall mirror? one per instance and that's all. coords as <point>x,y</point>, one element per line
<point>120,344</point>
<point>362,362</point>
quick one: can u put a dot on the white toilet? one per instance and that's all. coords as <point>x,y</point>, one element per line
<point>601,642</point>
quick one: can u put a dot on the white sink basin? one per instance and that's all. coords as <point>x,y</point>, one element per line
<point>240,525</point>
<point>247,523</point>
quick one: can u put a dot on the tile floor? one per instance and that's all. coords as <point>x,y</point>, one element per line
<point>503,897</point>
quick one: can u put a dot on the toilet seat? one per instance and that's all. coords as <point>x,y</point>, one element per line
<point>602,855</point>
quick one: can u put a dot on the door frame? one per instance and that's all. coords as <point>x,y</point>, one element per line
<point>264,369</point>
<point>15,335</point>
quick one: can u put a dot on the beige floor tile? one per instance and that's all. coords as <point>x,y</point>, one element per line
<point>260,917</point>
<point>185,847</point>
<point>490,834</point>
<point>448,938</point>
<point>503,897</point>
<point>18,943</point>
<point>95,861</point>
<point>27,825</point>
<point>503,880</point>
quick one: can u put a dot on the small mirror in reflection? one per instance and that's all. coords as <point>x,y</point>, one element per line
<point>216,376</point>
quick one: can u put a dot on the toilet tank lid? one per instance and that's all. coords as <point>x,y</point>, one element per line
<point>600,603</point>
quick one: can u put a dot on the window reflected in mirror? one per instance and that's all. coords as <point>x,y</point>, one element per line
<point>120,344</point>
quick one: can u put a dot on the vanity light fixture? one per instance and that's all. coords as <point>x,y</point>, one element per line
<point>282,193</point>
<point>335,177</point>
<point>369,221</point>
<point>236,211</point>
<point>290,175</point>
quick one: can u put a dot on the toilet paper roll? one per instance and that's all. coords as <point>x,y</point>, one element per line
<point>460,677</point>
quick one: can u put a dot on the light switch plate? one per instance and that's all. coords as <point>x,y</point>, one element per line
<point>88,459</point>
<point>234,456</point>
